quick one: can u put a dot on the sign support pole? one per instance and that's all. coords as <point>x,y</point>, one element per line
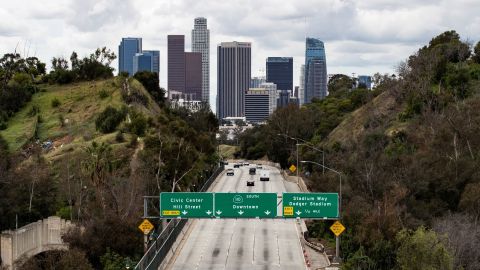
<point>145,243</point>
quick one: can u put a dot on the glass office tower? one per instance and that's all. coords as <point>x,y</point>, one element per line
<point>126,51</point>
<point>315,70</point>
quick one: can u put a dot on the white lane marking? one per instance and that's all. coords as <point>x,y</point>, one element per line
<point>230,244</point>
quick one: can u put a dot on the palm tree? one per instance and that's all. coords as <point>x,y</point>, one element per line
<point>98,166</point>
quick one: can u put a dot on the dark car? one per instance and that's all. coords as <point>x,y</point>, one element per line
<point>230,172</point>
<point>252,171</point>
<point>236,165</point>
<point>250,182</point>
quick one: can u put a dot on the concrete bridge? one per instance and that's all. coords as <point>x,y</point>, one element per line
<point>32,239</point>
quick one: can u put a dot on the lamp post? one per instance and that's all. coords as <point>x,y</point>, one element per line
<point>296,144</point>
<point>316,149</point>
<point>337,238</point>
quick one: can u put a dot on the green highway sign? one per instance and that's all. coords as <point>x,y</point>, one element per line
<point>186,204</point>
<point>310,205</point>
<point>245,205</point>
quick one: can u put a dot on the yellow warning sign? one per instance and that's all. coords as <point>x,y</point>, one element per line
<point>288,211</point>
<point>293,168</point>
<point>146,227</point>
<point>170,212</point>
<point>337,228</point>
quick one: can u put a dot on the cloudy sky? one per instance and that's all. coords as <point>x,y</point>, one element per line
<point>361,37</point>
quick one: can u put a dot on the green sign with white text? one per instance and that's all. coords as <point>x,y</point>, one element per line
<point>186,204</point>
<point>245,205</point>
<point>310,205</point>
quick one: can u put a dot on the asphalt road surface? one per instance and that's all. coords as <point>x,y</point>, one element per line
<point>242,243</point>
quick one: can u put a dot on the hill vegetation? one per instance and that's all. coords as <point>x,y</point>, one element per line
<point>87,146</point>
<point>409,154</point>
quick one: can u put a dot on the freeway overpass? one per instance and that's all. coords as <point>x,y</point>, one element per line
<point>242,243</point>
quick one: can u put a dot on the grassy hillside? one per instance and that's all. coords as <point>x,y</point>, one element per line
<point>382,109</point>
<point>73,120</point>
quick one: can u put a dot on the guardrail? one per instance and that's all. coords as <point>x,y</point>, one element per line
<point>159,249</point>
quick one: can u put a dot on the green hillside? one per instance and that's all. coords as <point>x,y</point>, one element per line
<point>73,120</point>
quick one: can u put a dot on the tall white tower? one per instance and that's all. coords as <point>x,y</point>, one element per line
<point>201,44</point>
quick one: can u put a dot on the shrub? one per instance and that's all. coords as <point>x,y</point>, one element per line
<point>133,141</point>
<point>119,137</point>
<point>109,119</point>
<point>138,123</point>
<point>34,111</point>
<point>55,103</point>
<point>103,94</point>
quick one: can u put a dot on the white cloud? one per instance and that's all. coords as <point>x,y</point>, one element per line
<point>361,37</point>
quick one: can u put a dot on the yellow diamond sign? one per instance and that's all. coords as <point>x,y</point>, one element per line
<point>146,227</point>
<point>337,228</point>
<point>293,168</point>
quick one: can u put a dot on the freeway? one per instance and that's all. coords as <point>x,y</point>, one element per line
<point>242,243</point>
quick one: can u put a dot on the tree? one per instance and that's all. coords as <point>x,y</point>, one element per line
<point>462,238</point>
<point>476,53</point>
<point>422,250</point>
<point>150,81</point>
<point>98,167</point>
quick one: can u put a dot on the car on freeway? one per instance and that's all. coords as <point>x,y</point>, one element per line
<point>259,166</point>
<point>230,172</point>
<point>246,163</point>
<point>236,165</point>
<point>250,182</point>
<point>264,175</point>
<point>252,171</point>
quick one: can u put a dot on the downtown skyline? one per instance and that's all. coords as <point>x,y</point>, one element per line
<point>361,38</point>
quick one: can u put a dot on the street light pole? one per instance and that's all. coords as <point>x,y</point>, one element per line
<point>337,238</point>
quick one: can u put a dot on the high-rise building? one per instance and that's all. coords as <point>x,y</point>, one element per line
<point>176,63</point>
<point>146,61</point>
<point>201,44</point>
<point>255,82</point>
<point>233,78</point>
<point>315,70</point>
<point>142,62</point>
<point>257,105</point>
<point>280,72</point>
<point>155,60</point>
<point>260,102</point>
<point>126,51</point>
<point>273,95</point>
<point>283,98</point>
<point>301,88</point>
<point>193,75</point>
<point>365,81</point>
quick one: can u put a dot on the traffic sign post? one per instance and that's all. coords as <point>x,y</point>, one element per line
<point>146,227</point>
<point>310,205</point>
<point>337,228</point>
<point>245,205</point>
<point>292,168</point>
<point>186,205</point>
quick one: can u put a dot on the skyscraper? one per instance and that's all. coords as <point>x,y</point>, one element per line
<point>193,75</point>
<point>146,61</point>
<point>255,82</point>
<point>201,44</point>
<point>233,78</point>
<point>126,51</point>
<point>301,88</point>
<point>280,72</point>
<point>365,81</point>
<point>155,60</point>
<point>315,70</point>
<point>176,63</point>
